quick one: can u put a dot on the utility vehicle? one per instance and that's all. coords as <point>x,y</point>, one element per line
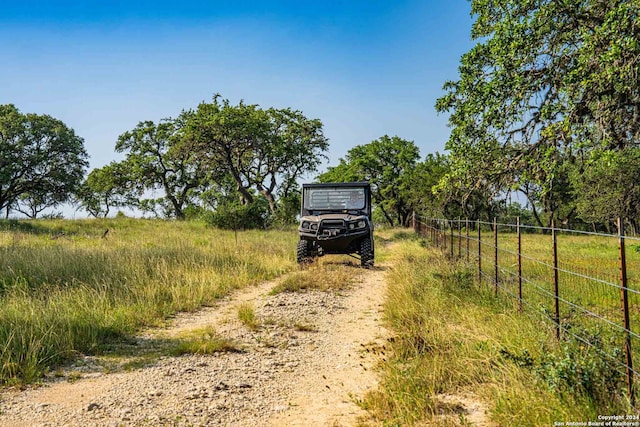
<point>335,218</point>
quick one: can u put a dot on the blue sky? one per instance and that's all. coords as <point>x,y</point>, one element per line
<point>365,68</point>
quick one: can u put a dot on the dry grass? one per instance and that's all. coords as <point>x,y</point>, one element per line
<point>453,338</point>
<point>75,294</point>
<point>304,327</point>
<point>204,341</point>
<point>325,275</point>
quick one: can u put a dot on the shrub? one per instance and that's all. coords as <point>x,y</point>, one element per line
<point>287,211</point>
<point>235,216</point>
<point>194,212</point>
<point>582,369</point>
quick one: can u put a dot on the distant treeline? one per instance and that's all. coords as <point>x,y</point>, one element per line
<point>237,165</point>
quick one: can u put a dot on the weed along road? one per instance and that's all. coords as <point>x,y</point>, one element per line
<point>298,350</point>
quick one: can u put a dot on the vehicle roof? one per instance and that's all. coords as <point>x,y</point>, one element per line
<point>337,184</point>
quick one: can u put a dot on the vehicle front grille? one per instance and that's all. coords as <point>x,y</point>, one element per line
<point>333,223</point>
<point>332,227</point>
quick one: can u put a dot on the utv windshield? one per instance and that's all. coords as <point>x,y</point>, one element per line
<point>334,198</point>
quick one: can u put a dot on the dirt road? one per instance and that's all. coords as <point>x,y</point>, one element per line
<point>307,362</point>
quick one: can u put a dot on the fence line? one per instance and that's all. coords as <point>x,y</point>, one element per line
<point>576,303</point>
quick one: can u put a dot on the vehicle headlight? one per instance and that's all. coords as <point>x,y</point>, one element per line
<point>356,225</point>
<point>314,226</point>
<point>305,224</point>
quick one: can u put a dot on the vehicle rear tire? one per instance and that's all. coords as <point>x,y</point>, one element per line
<point>303,253</point>
<point>366,253</point>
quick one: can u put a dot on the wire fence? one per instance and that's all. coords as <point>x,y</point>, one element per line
<point>584,283</point>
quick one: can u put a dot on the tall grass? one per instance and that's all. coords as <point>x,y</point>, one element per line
<point>66,290</point>
<point>589,303</point>
<point>581,258</point>
<point>247,316</point>
<point>454,338</point>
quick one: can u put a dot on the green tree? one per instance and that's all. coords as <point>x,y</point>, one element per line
<point>161,158</point>
<point>107,187</point>
<point>609,187</point>
<point>42,161</point>
<point>35,202</point>
<point>547,82</point>
<point>384,162</point>
<point>426,198</point>
<point>288,207</point>
<point>225,136</point>
<point>294,147</point>
<point>262,150</point>
<point>233,215</point>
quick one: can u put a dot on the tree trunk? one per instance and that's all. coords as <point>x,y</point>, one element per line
<point>267,192</point>
<point>269,196</point>
<point>177,206</point>
<point>386,215</point>
<point>407,218</point>
<point>244,192</point>
<point>536,216</point>
<point>245,195</point>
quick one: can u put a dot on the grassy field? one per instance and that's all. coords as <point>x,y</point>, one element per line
<point>65,290</point>
<point>590,309</point>
<point>579,256</point>
<point>454,341</point>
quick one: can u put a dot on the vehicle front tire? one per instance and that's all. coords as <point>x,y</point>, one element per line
<point>366,253</point>
<point>303,253</point>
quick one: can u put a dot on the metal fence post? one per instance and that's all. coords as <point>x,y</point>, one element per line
<point>495,252</point>
<point>556,291</point>
<point>432,230</point>
<point>625,310</point>
<point>459,238</point>
<point>466,226</point>
<point>519,265</point>
<point>479,253</point>
<point>413,223</point>
<point>451,234</point>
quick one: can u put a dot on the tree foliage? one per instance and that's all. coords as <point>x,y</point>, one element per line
<point>159,157</point>
<point>107,187</point>
<point>429,198</point>
<point>609,187</point>
<point>265,150</point>
<point>219,156</point>
<point>547,82</point>
<point>234,215</point>
<point>388,163</point>
<point>42,161</point>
